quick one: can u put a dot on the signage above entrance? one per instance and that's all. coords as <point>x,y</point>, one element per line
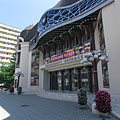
<point>68,60</point>
<point>67,54</point>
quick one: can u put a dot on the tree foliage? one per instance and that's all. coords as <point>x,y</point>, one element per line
<point>6,74</point>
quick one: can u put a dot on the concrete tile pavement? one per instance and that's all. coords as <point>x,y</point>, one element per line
<point>32,107</point>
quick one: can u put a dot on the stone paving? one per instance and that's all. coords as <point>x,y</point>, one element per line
<point>32,107</point>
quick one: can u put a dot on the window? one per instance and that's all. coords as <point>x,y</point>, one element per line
<point>18,59</point>
<point>77,40</point>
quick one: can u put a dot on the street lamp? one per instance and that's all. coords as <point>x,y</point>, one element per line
<point>94,57</point>
<point>18,74</point>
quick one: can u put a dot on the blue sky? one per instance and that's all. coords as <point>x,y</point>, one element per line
<point>21,13</point>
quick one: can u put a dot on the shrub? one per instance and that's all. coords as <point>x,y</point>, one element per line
<point>11,89</point>
<point>103,101</point>
<point>82,96</point>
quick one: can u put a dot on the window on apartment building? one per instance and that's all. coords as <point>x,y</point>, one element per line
<point>18,60</point>
<point>19,46</point>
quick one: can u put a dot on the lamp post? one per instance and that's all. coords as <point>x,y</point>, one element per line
<point>94,57</point>
<point>18,74</point>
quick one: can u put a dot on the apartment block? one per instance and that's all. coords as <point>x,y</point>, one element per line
<point>8,42</point>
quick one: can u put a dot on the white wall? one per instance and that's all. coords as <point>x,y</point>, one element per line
<point>111,24</point>
<point>24,62</point>
<point>99,67</point>
<point>41,72</point>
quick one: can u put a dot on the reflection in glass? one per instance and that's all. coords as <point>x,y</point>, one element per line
<point>74,79</point>
<point>66,80</point>
<point>59,76</point>
<point>84,75</point>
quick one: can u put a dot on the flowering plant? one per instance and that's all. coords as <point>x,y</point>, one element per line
<point>11,89</point>
<point>103,101</point>
<point>82,96</point>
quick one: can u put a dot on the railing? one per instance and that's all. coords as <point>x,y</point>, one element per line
<point>62,54</point>
<point>5,50</point>
<point>9,46</point>
<point>8,36</point>
<point>10,32</point>
<point>8,41</point>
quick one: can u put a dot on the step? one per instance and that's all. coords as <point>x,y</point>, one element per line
<point>58,95</point>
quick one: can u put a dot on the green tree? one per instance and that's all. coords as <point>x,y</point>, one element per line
<point>7,72</point>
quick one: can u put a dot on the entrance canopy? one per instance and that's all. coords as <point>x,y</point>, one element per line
<point>57,20</point>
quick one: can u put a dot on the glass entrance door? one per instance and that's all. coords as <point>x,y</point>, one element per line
<point>54,84</point>
<point>66,80</point>
<point>59,78</point>
<point>74,79</point>
<point>84,80</point>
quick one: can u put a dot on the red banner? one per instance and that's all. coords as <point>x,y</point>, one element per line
<point>62,56</point>
<point>56,58</point>
<point>69,54</point>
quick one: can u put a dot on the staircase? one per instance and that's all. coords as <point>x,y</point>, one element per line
<point>66,96</point>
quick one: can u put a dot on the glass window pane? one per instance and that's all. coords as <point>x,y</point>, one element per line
<point>59,76</point>
<point>84,75</point>
<point>66,80</point>
<point>74,79</point>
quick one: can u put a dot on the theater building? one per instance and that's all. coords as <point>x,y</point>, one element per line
<point>51,50</point>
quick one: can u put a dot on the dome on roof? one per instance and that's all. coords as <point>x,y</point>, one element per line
<point>63,3</point>
<point>29,27</point>
<point>25,32</point>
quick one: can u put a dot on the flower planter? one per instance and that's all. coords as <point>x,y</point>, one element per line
<point>103,103</point>
<point>82,98</point>
<point>19,90</point>
<point>11,89</point>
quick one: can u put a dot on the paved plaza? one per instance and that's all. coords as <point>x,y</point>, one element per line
<point>32,107</point>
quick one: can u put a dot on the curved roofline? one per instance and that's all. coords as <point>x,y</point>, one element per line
<point>67,5</point>
<point>52,26</point>
<point>61,7</point>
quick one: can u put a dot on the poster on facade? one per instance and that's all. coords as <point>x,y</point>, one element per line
<point>35,68</point>
<point>104,64</point>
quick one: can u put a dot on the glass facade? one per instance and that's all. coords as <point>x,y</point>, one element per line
<point>84,75</point>
<point>72,79</point>
<point>66,80</point>
<point>59,77</point>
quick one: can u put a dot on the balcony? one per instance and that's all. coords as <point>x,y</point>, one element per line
<point>8,51</point>
<point>67,52</point>
<point>8,36</point>
<point>8,41</point>
<point>4,60</point>
<point>5,56</point>
<point>9,27</point>
<point>8,46</point>
<point>9,32</point>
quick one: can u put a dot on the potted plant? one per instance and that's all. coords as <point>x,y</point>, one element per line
<point>19,90</point>
<point>82,98</point>
<point>103,102</point>
<point>11,89</point>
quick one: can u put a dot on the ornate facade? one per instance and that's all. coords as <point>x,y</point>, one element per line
<point>63,36</point>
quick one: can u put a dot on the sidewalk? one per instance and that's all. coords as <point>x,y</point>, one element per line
<point>32,107</point>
